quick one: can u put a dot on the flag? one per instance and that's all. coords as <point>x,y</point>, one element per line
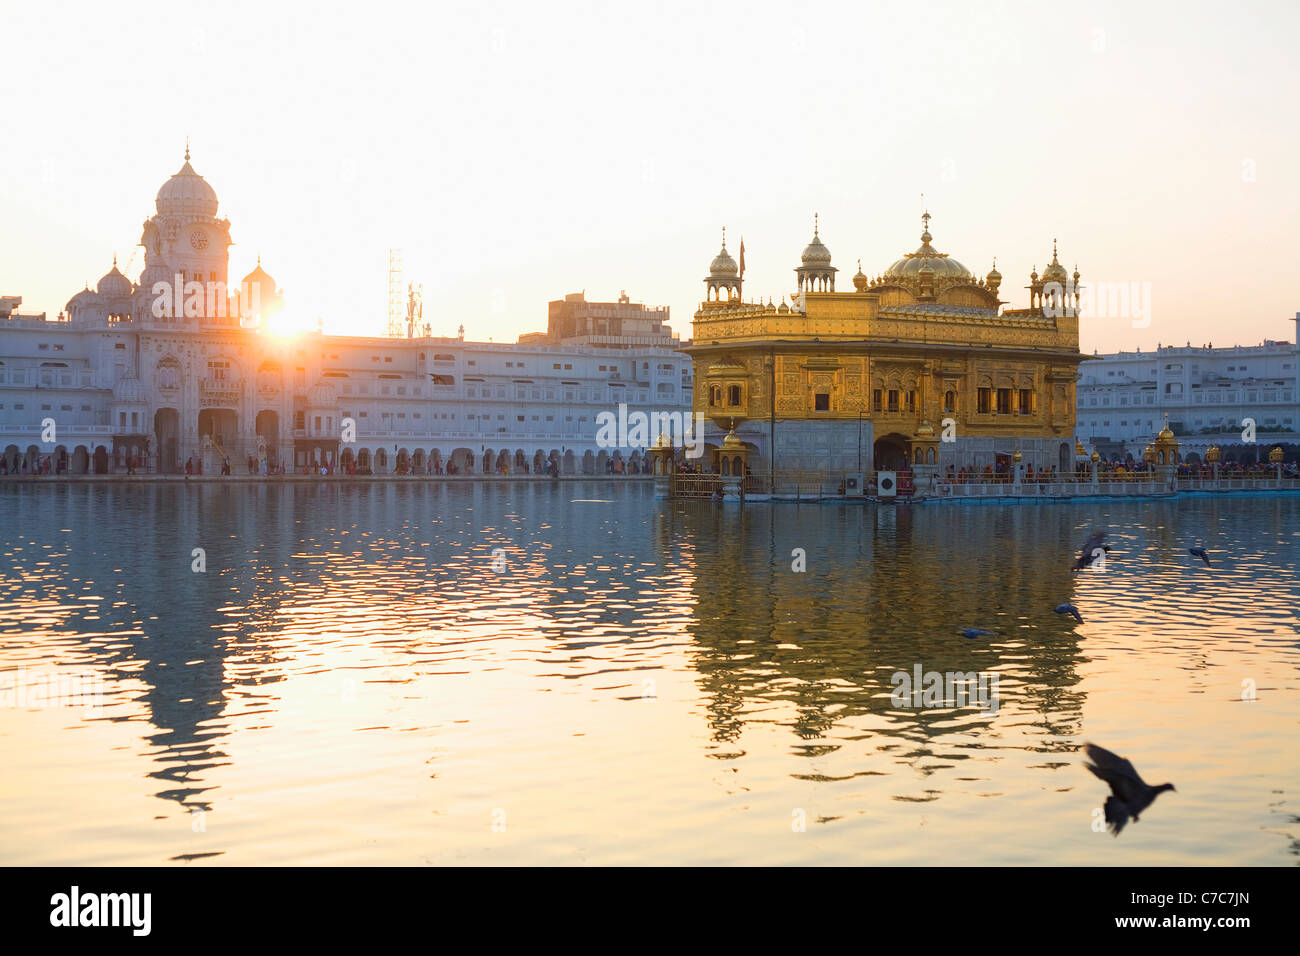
<point>742,257</point>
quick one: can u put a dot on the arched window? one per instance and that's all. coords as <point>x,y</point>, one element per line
<point>715,395</point>
<point>733,394</point>
<point>950,401</point>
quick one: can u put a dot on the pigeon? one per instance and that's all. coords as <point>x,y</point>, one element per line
<point>1091,547</point>
<point>1069,609</point>
<point>1200,553</point>
<point>1130,794</point>
<point>973,632</point>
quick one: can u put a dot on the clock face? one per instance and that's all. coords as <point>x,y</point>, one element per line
<point>199,239</point>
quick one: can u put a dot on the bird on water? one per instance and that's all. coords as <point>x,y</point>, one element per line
<point>973,632</point>
<point>1092,550</point>
<point>1071,610</point>
<point>1200,553</point>
<point>1130,794</point>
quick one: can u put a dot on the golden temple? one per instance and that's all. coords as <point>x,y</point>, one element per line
<point>919,366</point>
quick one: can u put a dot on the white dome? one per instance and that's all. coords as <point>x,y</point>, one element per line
<point>129,391</point>
<point>186,194</point>
<point>322,395</point>
<point>114,284</point>
<point>84,299</point>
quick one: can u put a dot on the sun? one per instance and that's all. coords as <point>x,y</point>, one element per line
<point>283,324</point>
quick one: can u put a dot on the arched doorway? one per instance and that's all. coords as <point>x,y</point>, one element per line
<point>223,425</point>
<point>461,462</point>
<point>167,434</point>
<point>101,460</point>
<point>889,453</point>
<point>1065,458</point>
<point>268,429</point>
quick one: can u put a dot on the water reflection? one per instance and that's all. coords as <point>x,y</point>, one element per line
<point>343,636</point>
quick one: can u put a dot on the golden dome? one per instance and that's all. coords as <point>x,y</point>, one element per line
<point>860,281</point>
<point>1079,449</point>
<point>723,266</point>
<point>1148,454</point>
<point>732,443</point>
<point>1094,456</point>
<point>924,430</point>
<point>928,259</point>
<point>1017,456</point>
<point>1166,434</point>
<point>1055,272</point>
<point>1212,454</point>
<point>816,253</point>
<point>1276,454</point>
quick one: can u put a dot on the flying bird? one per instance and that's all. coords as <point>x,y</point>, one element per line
<point>973,632</point>
<point>1091,550</point>
<point>1069,609</point>
<point>1200,553</point>
<point>1130,794</point>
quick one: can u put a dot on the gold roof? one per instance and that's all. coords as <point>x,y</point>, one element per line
<point>928,259</point>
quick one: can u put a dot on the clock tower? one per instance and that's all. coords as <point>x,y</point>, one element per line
<point>186,238</point>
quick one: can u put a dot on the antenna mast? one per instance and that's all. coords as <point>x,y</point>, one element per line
<point>396,305</point>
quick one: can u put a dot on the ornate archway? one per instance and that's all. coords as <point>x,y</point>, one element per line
<point>889,453</point>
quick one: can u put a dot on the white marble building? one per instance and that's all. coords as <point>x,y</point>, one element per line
<point>119,377</point>
<point>1206,392</point>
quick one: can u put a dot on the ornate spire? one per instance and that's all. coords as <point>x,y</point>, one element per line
<point>816,225</point>
<point>187,149</point>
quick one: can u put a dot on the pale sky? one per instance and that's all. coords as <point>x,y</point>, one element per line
<point>516,152</point>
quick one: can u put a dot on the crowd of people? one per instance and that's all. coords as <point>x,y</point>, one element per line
<point>45,465</point>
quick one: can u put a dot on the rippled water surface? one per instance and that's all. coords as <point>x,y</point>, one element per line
<point>578,673</point>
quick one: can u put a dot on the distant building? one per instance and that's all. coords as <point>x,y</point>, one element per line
<point>1207,394</point>
<point>121,377</point>
<point>623,324</point>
